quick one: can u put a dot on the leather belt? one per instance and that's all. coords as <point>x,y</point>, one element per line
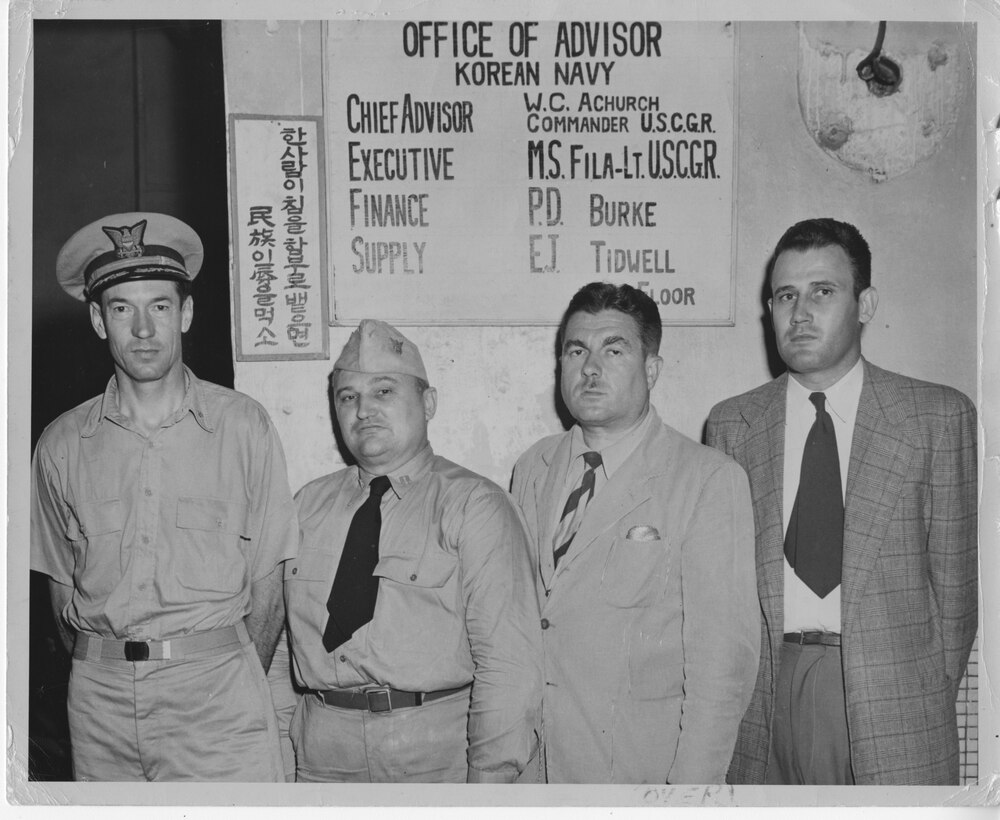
<point>381,698</point>
<point>94,647</point>
<point>813,637</point>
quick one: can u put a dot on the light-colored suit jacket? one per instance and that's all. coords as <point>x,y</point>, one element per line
<point>650,646</point>
<point>908,591</point>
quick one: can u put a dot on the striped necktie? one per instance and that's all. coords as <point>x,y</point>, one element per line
<point>576,505</point>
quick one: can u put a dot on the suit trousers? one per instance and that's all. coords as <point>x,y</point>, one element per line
<point>206,717</point>
<point>809,741</point>
<point>415,744</point>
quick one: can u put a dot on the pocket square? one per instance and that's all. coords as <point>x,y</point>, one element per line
<point>643,532</point>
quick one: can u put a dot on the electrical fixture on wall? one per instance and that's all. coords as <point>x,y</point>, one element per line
<point>882,110</point>
<point>880,74</point>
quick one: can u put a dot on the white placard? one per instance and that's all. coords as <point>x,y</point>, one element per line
<point>483,171</point>
<point>279,238</point>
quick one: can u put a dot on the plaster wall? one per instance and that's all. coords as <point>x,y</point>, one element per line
<point>496,384</point>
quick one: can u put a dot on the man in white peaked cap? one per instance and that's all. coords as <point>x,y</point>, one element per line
<point>411,613</point>
<point>160,512</point>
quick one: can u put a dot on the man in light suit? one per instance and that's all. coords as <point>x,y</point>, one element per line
<point>858,678</point>
<point>643,553</point>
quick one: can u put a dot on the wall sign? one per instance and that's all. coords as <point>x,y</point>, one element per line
<point>279,238</point>
<point>482,171</point>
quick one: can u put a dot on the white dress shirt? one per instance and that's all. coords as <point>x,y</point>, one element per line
<point>613,456</point>
<point>804,610</point>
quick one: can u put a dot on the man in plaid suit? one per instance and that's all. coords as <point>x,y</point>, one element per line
<point>856,684</point>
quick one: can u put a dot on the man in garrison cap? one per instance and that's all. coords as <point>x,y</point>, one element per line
<point>161,512</point>
<point>413,623</point>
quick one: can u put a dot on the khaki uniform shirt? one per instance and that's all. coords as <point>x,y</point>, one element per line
<point>161,536</point>
<point>456,603</point>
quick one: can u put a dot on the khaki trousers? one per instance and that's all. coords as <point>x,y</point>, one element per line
<point>416,744</point>
<point>207,717</point>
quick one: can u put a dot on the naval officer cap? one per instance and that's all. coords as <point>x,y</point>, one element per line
<point>376,347</point>
<point>126,247</point>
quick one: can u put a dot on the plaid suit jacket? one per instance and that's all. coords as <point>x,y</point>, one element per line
<point>909,585</point>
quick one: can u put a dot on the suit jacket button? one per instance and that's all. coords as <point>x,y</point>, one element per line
<point>545,623</point>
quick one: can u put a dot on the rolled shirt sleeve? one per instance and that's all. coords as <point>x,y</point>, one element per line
<point>51,550</point>
<point>277,528</point>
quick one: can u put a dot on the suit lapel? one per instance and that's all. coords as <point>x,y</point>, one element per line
<point>880,453</point>
<point>625,491</point>
<point>552,483</point>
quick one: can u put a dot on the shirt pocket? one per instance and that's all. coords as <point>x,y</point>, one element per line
<point>417,623</point>
<point>213,515</point>
<point>431,570</point>
<point>634,573</point>
<point>209,556</point>
<point>97,518</point>
<point>308,583</point>
<point>310,565</point>
<point>96,533</point>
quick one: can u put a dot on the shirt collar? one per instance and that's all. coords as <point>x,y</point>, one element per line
<point>406,476</point>
<point>842,396</point>
<point>194,402</point>
<point>615,454</point>
<point>197,402</point>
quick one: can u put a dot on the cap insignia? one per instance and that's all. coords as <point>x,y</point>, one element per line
<point>397,346</point>
<point>128,240</point>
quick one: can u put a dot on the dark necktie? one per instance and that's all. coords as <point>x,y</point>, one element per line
<point>576,504</point>
<point>352,599</point>
<point>814,543</point>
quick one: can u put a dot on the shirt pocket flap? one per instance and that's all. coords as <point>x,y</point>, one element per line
<point>310,565</point>
<point>212,514</point>
<point>99,517</point>
<point>432,569</point>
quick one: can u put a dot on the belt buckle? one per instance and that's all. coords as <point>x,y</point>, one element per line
<point>136,651</point>
<point>379,699</point>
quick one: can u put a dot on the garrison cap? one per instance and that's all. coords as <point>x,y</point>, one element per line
<point>126,247</point>
<point>376,347</point>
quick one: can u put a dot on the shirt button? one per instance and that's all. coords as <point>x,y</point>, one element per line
<point>343,658</point>
<point>295,570</point>
<point>413,577</point>
<point>145,539</point>
<point>148,491</point>
<point>545,623</point>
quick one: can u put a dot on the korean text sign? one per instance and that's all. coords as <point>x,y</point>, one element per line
<point>279,236</point>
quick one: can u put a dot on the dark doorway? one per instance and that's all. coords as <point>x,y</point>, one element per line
<point>128,116</point>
